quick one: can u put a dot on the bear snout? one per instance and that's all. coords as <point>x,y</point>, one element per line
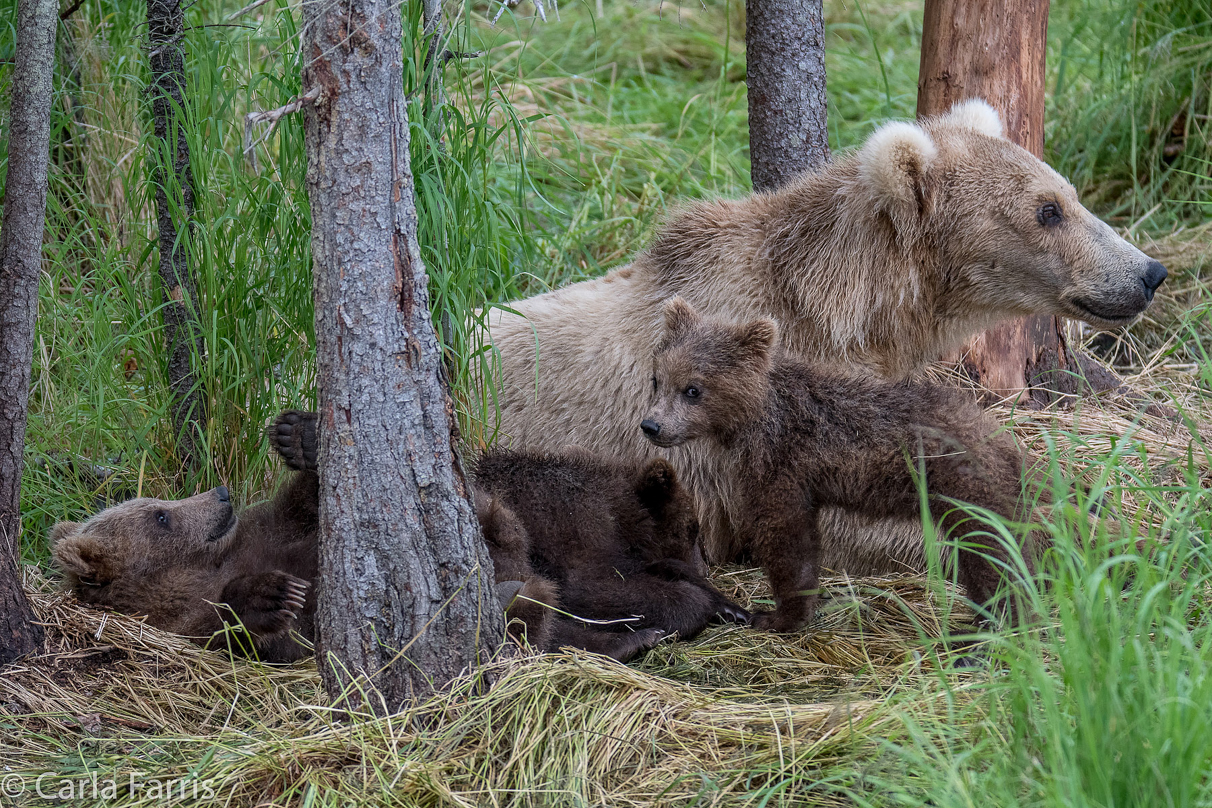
<point>651,428</point>
<point>1155,275</point>
<point>226,522</point>
<point>223,494</point>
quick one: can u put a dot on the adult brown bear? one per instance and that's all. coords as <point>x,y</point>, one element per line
<point>880,262</point>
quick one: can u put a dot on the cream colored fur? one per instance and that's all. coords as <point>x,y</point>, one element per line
<point>881,262</point>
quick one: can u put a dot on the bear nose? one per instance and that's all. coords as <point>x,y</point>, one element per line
<point>651,428</point>
<point>1155,273</point>
<point>223,494</point>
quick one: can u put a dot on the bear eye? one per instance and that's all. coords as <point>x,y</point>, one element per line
<point>654,384</point>
<point>162,517</point>
<point>1049,214</point>
<point>692,392</point>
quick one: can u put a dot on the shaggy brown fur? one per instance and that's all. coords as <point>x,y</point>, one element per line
<point>801,437</point>
<point>174,560</point>
<point>579,538</point>
<point>619,544</point>
<point>883,260</point>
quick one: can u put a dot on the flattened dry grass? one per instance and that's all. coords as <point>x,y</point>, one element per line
<point>727,718</point>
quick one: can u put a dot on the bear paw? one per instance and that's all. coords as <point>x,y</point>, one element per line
<point>777,622</point>
<point>636,643</point>
<point>268,603</point>
<point>295,435</point>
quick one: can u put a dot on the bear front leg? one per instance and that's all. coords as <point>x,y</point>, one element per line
<point>266,603</point>
<point>620,645</point>
<point>787,545</point>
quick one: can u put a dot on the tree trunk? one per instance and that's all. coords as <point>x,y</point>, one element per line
<point>785,73</point>
<point>171,174</point>
<point>20,268</point>
<point>996,51</point>
<point>406,600</point>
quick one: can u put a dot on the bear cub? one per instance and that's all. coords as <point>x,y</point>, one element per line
<point>618,546</point>
<point>194,567</point>
<point>587,553</point>
<point>800,437</point>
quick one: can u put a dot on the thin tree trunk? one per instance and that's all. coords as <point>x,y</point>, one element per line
<point>785,73</point>
<point>996,51</point>
<point>406,599</point>
<point>434,34</point>
<point>171,174</point>
<point>20,267</point>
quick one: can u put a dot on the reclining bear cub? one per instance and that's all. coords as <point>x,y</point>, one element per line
<point>196,568</point>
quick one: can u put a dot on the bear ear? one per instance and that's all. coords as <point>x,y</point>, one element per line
<point>80,555</point>
<point>657,484</point>
<point>679,317</point>
<point>894,162</point>
<point>758,337</point>
<point>975,114</point>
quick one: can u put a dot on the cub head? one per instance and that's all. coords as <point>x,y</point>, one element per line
<point>708,378</point>
<point>129,548</point>
<point>1010,231</point>
<point>675,523</point>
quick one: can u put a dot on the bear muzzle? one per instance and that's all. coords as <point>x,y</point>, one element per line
<point>656,434</point>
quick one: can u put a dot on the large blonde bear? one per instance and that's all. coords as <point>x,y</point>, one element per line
<point>882,261</point>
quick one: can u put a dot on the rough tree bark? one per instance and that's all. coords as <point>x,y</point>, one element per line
<point>785,74</point>
<point>170,173</point>
<point>995,50</point>
<point>20,267</point>
<point>406,599</point>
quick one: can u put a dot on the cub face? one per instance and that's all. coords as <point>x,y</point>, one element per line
<point>141,542</point>
<point>706,381</point>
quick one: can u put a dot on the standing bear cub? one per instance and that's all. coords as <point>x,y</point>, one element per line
<point>800,437</point>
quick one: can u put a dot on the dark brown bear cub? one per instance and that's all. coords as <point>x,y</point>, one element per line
<point>174,560</point>
<point>600,556</point>
<point>619,544</point>
<point>796,437</point>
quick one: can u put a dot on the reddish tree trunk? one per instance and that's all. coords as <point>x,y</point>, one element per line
<point>995,50</point>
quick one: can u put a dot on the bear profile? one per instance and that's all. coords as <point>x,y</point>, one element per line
<point>885,259</point>
<point>195,567</point>
<point>801,437</point>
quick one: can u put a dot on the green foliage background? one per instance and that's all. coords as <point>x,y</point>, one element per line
<point>560,147</point>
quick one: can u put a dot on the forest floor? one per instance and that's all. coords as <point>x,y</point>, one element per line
<point>565,144</point>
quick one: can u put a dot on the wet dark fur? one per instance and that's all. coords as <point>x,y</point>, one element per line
<point>799,437</point>
<point>617,543</point>
<point>580,537</point>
